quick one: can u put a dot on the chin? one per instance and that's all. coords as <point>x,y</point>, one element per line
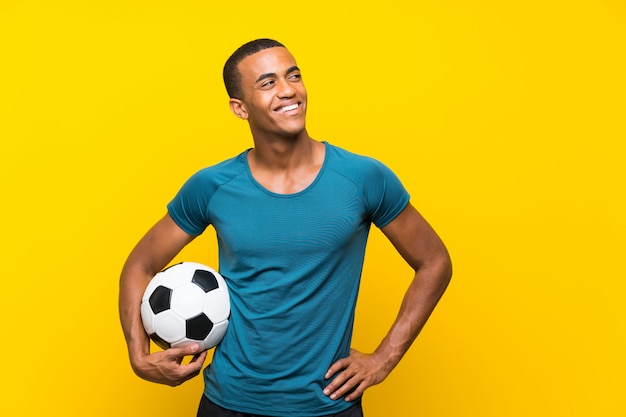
<point>293,129</point>
<point>295,132</point>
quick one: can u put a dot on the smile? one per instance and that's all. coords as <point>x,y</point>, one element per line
<point>288,108</point>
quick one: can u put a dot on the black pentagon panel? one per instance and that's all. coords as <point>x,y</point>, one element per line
<point>160,299</point>
<point>159,342</point>
<point>199,327</point>
<point>205,280</point>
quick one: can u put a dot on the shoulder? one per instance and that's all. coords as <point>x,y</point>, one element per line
<point>219,174</point>
<point>189,207</point>
<point>380,189</point>
<point>355,166</point>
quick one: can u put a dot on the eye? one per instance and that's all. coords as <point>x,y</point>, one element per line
<point>267,84</point>
<point>295,76</point>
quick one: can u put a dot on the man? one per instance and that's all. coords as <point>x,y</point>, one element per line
<point>292,217</point>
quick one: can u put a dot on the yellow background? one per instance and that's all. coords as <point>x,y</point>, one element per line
<point>505,120</point>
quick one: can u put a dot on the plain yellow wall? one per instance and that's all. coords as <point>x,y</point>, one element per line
<point>505,120</point>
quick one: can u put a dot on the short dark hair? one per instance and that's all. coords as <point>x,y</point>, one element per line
<point>232,76</point>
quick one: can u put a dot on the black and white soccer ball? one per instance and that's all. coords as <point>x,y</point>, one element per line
<point>184,304</point>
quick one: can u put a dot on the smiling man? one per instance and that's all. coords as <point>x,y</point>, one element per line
<point>292,216</point>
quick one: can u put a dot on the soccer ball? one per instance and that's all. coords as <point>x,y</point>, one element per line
<point>184,304</point>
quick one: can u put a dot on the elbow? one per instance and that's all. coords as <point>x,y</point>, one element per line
<point>442,266</point>
<point>447,267</point>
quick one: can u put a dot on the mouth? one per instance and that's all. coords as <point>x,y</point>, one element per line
<point>288,108</point>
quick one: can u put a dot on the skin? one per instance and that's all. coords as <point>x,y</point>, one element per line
<point>286,160</point>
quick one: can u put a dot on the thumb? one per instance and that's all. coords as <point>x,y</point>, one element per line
<point>179,352</point>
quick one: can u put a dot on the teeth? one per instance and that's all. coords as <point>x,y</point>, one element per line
<point>289,108</point>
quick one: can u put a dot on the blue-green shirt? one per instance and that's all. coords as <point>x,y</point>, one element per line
<point>293,264</point>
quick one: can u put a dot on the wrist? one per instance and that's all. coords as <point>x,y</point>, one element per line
<point>388,356</point>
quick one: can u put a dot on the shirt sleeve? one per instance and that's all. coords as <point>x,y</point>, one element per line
<point>385,194</point>
<point>189,207</point>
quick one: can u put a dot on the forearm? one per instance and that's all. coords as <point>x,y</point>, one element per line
<point>359,371</point>
<point>419,301</point>
<point>132,285</point>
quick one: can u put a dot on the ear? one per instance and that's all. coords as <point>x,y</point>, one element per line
<point>238,108</point>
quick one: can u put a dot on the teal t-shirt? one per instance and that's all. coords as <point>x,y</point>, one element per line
<point>293,265</point>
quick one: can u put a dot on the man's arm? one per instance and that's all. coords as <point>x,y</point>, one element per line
<point>422,249</point>
<point>153,252</point>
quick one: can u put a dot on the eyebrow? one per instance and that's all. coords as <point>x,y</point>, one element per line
<point>273,74</point>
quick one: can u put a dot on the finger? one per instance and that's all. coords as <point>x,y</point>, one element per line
<point>356,393</point>
<point>199,357</point>
<point>336,387</point>
<point>181,352</point>
<point>337,366</point>
<point>195,364</point>
<point>192,369</point>
<point>343,388</point>
<point>190,349</point>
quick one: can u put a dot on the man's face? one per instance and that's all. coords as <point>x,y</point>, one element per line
<point>274,97</point>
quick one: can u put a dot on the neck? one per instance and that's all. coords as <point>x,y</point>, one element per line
<point>286,167</point>
<point>283,153</point>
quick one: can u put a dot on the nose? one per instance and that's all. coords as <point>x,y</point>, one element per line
<point>285,89</point>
